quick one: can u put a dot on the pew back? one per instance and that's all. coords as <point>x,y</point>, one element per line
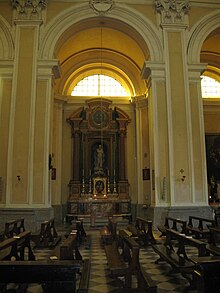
<point>13,227</point>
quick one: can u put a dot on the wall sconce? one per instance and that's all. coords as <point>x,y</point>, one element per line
<point>183,176</point>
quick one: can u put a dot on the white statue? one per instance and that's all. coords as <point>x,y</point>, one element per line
<point>99,158</point>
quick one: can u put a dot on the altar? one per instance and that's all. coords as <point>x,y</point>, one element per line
<point>99,186</point>
<point>99,209</point>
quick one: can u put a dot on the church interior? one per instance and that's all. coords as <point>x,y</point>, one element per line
<point>110,113</point>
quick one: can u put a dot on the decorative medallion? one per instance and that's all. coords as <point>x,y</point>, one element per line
<point>101,6</point>
<point>99,118</point>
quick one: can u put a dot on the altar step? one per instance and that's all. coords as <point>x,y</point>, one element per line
<point>121,219</point>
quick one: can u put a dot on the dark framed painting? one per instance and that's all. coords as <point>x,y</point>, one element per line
<point>213,156</point>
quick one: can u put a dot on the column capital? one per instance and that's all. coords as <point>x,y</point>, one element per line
<point>140,101</point>
<point>46,67</point>
<point>153,69</point>
<point>171,11</point>
<point>196,70</point>
<point>28,9</point>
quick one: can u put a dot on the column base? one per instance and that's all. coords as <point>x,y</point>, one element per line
<point>33,216</point>
<point>158,214</point>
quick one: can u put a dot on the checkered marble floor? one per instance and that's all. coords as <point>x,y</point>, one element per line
<point>100,279</point>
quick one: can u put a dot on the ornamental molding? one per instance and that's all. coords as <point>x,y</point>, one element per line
<point>29,9</point>
<point>101,6</point>
<point>172,11</point>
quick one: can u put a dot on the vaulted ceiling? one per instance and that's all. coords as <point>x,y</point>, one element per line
<point>210,53</point>
<point>102,46</point>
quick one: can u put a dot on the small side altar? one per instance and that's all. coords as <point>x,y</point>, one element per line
<point>99,185</point>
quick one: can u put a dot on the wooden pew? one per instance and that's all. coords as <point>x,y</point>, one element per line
<point>16,229</point>
<point>145,233</point>
<point>47,236</point>
<point>142,232</point>
<point>12,249</point>
<point>199,227</point>
<point>173,223</point>
<point>143,282</point>
<point>57,276</point>
<point>77,226</point>
<point>109,232</point>
<point>214,242</point>
<point>217,217</point>
<point>68,250</point>
<point>124,261</point>
<point>23,243</point>
<point>207,275</point>
<point>12,228</point>
<point>84,276</point>
<point>174,252</point>
<point>8,249</point>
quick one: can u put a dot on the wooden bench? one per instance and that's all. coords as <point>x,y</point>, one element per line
<point>145,231</point>
<point>68,250</point>
<point>173,223</point>
<point>12,228</point>
<point>142,232</point>
<point>199,227</point>
<point>207,274</point>
<point>217,216</point>
<point>57,276</point>
<point>124,261</point>
<point>23,244</point>
<point>16,229</point>
<point>142,286</point>
<point>77,225</point>
<point>109,232</point>
<point>47,236</point>
<point>174,252</point>
<point>213,246</point>
<point>8,249</point>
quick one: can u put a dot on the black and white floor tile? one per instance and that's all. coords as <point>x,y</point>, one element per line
<point>100,279</point>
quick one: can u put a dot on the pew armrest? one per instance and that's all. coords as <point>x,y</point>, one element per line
<point>84,279</point>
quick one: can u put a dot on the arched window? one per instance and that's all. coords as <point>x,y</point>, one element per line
<point>210,87</point>
<point>99,85</point>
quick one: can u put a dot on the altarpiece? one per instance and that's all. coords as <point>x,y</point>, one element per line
<point>99,184</point>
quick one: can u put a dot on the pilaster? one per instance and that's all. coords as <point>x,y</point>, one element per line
<point>154,73</point>
<point>142,147</point>
<point>28,182</point>
<point>176,123</point>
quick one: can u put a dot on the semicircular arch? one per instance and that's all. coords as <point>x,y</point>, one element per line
<point>90,69</point>
<point>123,69</point>
<point>200,31</point>
<point>56,28</point>
<point>6,40</point>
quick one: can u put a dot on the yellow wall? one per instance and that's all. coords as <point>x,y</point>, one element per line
<point>22,116</point>
<point>4,130</point>
<point>39,142</point>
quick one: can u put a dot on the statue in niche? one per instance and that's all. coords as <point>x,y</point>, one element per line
<point>99,158</point>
